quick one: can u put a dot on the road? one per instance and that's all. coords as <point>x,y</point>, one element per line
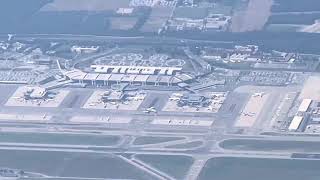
<point>141,40</point>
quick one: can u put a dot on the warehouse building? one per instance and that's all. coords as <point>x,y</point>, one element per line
<point>304,106</point>
<point>295,123</point>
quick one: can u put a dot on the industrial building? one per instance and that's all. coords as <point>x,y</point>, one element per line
<point>302,117</point>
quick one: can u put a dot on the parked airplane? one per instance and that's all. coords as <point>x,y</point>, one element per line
<point>177,95</point>
<point>258,94</point>
<point>174,98</point>
<point>210,108</point>
<point>248,114</point>
<point>150,110</point>
<point>136,98</point>
<point>21,99</point>
<point>10,37</point>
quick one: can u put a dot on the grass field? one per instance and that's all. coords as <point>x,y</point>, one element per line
<point>296,5</point>
<point>174,165</point>
<point>65,164</point>
<point>269,145</point>
<point>305,19</point>
<point>144,140</point>
<point>231,168</point>
<point>52,138</point>
<point>192,144</point>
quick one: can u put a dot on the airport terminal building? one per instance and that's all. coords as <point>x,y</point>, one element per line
<point>108,75</point>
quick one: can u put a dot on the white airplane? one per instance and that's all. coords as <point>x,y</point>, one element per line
<point>113,103</point>
<point>10,36</point>
<point>216,95</point>
<point>174,98</point>
<point>177,94</point>
<point>210,108</point>
<point>92,104</point>
<point>287,98</point>
<point>107,119</point>
<point>125,103</point>
<point>258,94</point>
<point>136,98</point>
<point>49,100</point>
<point>38,103</point>
<point>248,114</point>
<point>150,110</point>
<point>19,98</point>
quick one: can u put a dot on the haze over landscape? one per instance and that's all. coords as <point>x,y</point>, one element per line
<point>159,89</point>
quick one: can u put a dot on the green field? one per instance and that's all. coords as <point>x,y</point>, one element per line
<point>174,165</point>
<point>269,145</point>
<point>192,144</point>
<point>144,140</point>
<point>71,164</point>
<point>232,168</point>
<point>63,138</point>
<point>283,27</point>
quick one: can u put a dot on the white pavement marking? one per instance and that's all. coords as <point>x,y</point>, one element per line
<point>22,117</point>
<point>180,122</point>
<point>100,119</point>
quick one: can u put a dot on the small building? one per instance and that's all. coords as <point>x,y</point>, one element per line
<point>295,123</point>
<point>304,106</point>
